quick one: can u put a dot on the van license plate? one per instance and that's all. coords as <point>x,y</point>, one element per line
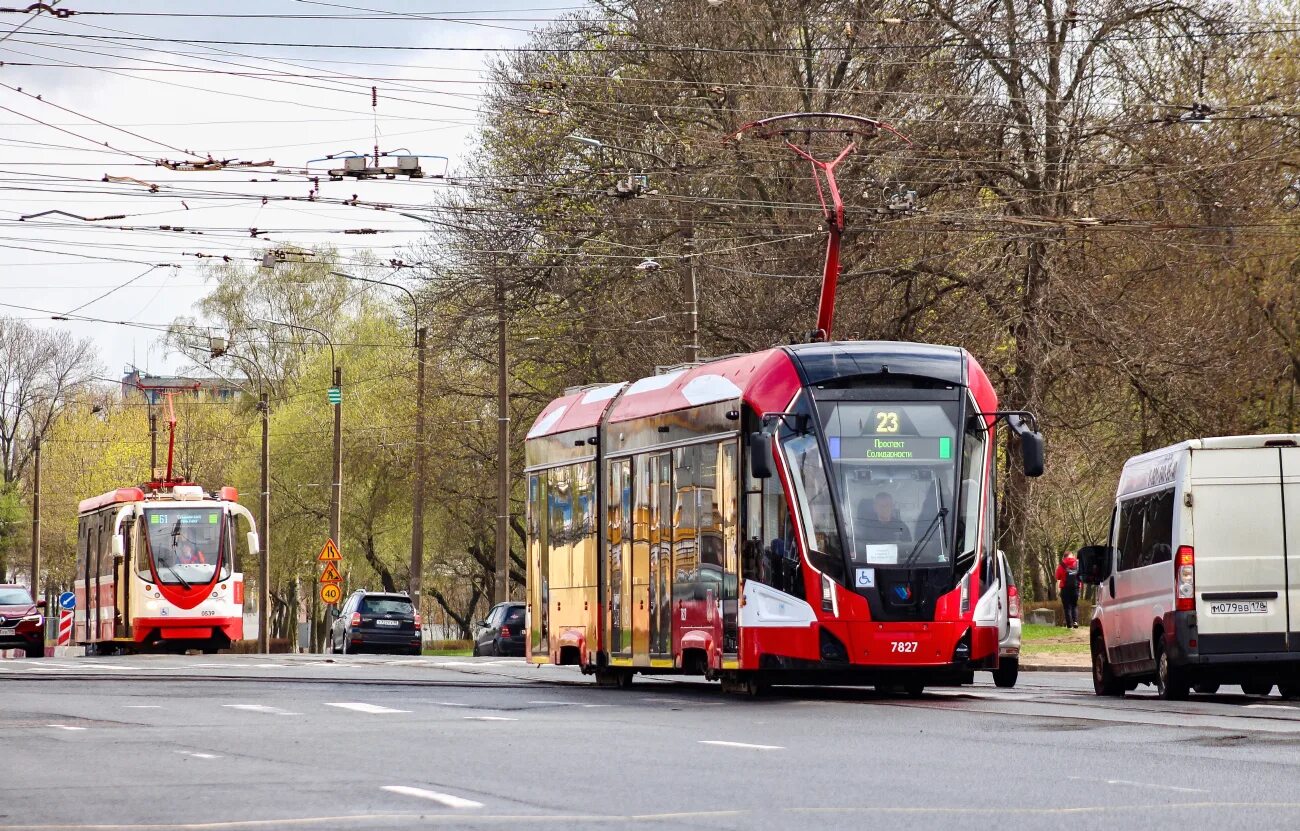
<point>388,623</point>
<point>1240,607</point>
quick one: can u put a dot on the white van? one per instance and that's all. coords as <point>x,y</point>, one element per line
<point>1200,584</point>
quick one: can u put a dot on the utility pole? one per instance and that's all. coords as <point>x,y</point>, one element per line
<point>264,573</point>
<point>417,507</point>
<point>502,592</point>
<point>695,293</point>
<point>36,516</point>
<point>153,440</point>
<point>336,490</point>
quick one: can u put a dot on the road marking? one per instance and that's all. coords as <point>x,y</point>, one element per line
<point>488,718</point>
<point>143,706</point>
<point>554,703</point>
<point>450,704</point>
<point>1132,784</point>
<point>65,727</point>
<point>362,707</point>
<point>198,755</point>
<point>261,708</point>
<point>449,800</point>
<point>744,745</point>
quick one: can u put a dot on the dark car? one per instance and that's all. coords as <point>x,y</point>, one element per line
<point>22,625</point>
<point>502,632</point>
<point>376,622</point>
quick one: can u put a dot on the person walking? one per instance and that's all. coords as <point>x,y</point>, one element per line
<point>1067,580</point>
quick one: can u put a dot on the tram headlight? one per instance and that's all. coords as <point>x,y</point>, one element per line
<point>151,605</point>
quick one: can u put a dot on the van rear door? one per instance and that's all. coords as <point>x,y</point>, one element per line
<point>1291,515</point>
<point>1239,535</point>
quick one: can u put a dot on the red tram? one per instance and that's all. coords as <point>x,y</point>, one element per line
<point>821,513</point>
<point>158,568</point>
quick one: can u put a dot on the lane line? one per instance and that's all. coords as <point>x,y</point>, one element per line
<point>488,718</point>
<point>449,800</point>
<point>65,727</point>
<point>362,707</point>
<point>450,704</point>
<point>744,745</point>
<point>143,706</point>
<point>198,755</point>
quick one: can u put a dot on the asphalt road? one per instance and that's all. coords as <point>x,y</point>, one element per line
<point>306,742</point>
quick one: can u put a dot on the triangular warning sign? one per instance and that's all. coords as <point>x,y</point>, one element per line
<point>329,552</point>
<point>331,573</point>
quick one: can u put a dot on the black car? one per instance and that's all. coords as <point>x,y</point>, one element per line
<point>376,622</point>
<point>502,633</point>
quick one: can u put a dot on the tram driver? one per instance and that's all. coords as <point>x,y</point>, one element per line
<point>880,522</point>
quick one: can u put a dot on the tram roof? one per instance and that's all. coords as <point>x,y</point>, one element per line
<point>114,497</point>
<point>754,375</point>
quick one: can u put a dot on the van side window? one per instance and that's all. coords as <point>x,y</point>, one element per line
<point>1145,533</point>
<point>1158,529</point>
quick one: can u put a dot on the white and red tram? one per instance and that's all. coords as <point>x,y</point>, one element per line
<point>158,568</point>
<point>822,513</point>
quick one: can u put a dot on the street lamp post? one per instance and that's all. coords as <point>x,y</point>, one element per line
<point>336,490</point>
<point>417,496</point>
<point>36,506</point>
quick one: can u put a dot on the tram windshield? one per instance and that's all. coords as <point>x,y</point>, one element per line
<point>185,545</point>
<point>903,479</point>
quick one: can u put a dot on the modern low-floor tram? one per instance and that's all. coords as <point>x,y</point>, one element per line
<point>822,513</point>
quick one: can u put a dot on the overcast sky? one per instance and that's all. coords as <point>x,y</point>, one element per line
<point>428,103</point>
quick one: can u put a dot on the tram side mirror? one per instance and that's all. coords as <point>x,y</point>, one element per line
<point>1031,445</point>
<point>1031,453</point>
<point>1094,564</point>
<point>254,544</point>
<point>118,546</point>
<point>760,455</point>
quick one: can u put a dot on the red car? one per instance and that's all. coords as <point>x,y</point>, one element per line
<point>22,624</point>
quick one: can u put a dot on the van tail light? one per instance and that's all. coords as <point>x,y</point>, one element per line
<point>1013,601</point>
<point>1185,579</point>
<point>505,631</point>
<point>356,618</point>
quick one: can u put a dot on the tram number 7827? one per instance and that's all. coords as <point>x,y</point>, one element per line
<point>904,646</point>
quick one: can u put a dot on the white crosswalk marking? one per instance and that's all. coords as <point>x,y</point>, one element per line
<point>744,746</point>
<point>261,708</point>
<point>362,707</point>
<point>449,800</point>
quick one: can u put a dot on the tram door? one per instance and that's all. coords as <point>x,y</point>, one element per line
<point>639,577</point>
<point>661,559</point>
<point>728,505</point>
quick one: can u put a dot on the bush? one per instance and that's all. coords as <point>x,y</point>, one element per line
<point>448,645</point>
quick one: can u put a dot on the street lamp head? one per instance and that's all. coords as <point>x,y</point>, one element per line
<point>590,142</point>
<point>648,264</point>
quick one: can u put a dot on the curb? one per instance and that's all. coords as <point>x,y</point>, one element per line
<point>1053,668</point>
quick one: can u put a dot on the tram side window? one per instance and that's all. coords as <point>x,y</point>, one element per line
<point>559,522</point>
<point>709,511</point>
<point>584,524</point>
<point>686,558</point>
<point>780,563</point>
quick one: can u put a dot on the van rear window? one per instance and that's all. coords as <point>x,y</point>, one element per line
<point>1146,530</point>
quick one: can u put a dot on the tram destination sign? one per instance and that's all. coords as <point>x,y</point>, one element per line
<point>893,448</point>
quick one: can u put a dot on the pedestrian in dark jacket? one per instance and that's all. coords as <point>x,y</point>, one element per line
<point>1067,580</point>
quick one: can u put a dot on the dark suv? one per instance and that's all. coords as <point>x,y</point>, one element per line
<point>376,622</point>
<point>502,633</point>
<point>22,625</point>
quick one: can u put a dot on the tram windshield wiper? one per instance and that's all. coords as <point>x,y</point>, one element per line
<point>176,574</point>
<point>920,543</point>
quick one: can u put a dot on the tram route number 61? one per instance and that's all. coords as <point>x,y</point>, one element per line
<point>904,646</point>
